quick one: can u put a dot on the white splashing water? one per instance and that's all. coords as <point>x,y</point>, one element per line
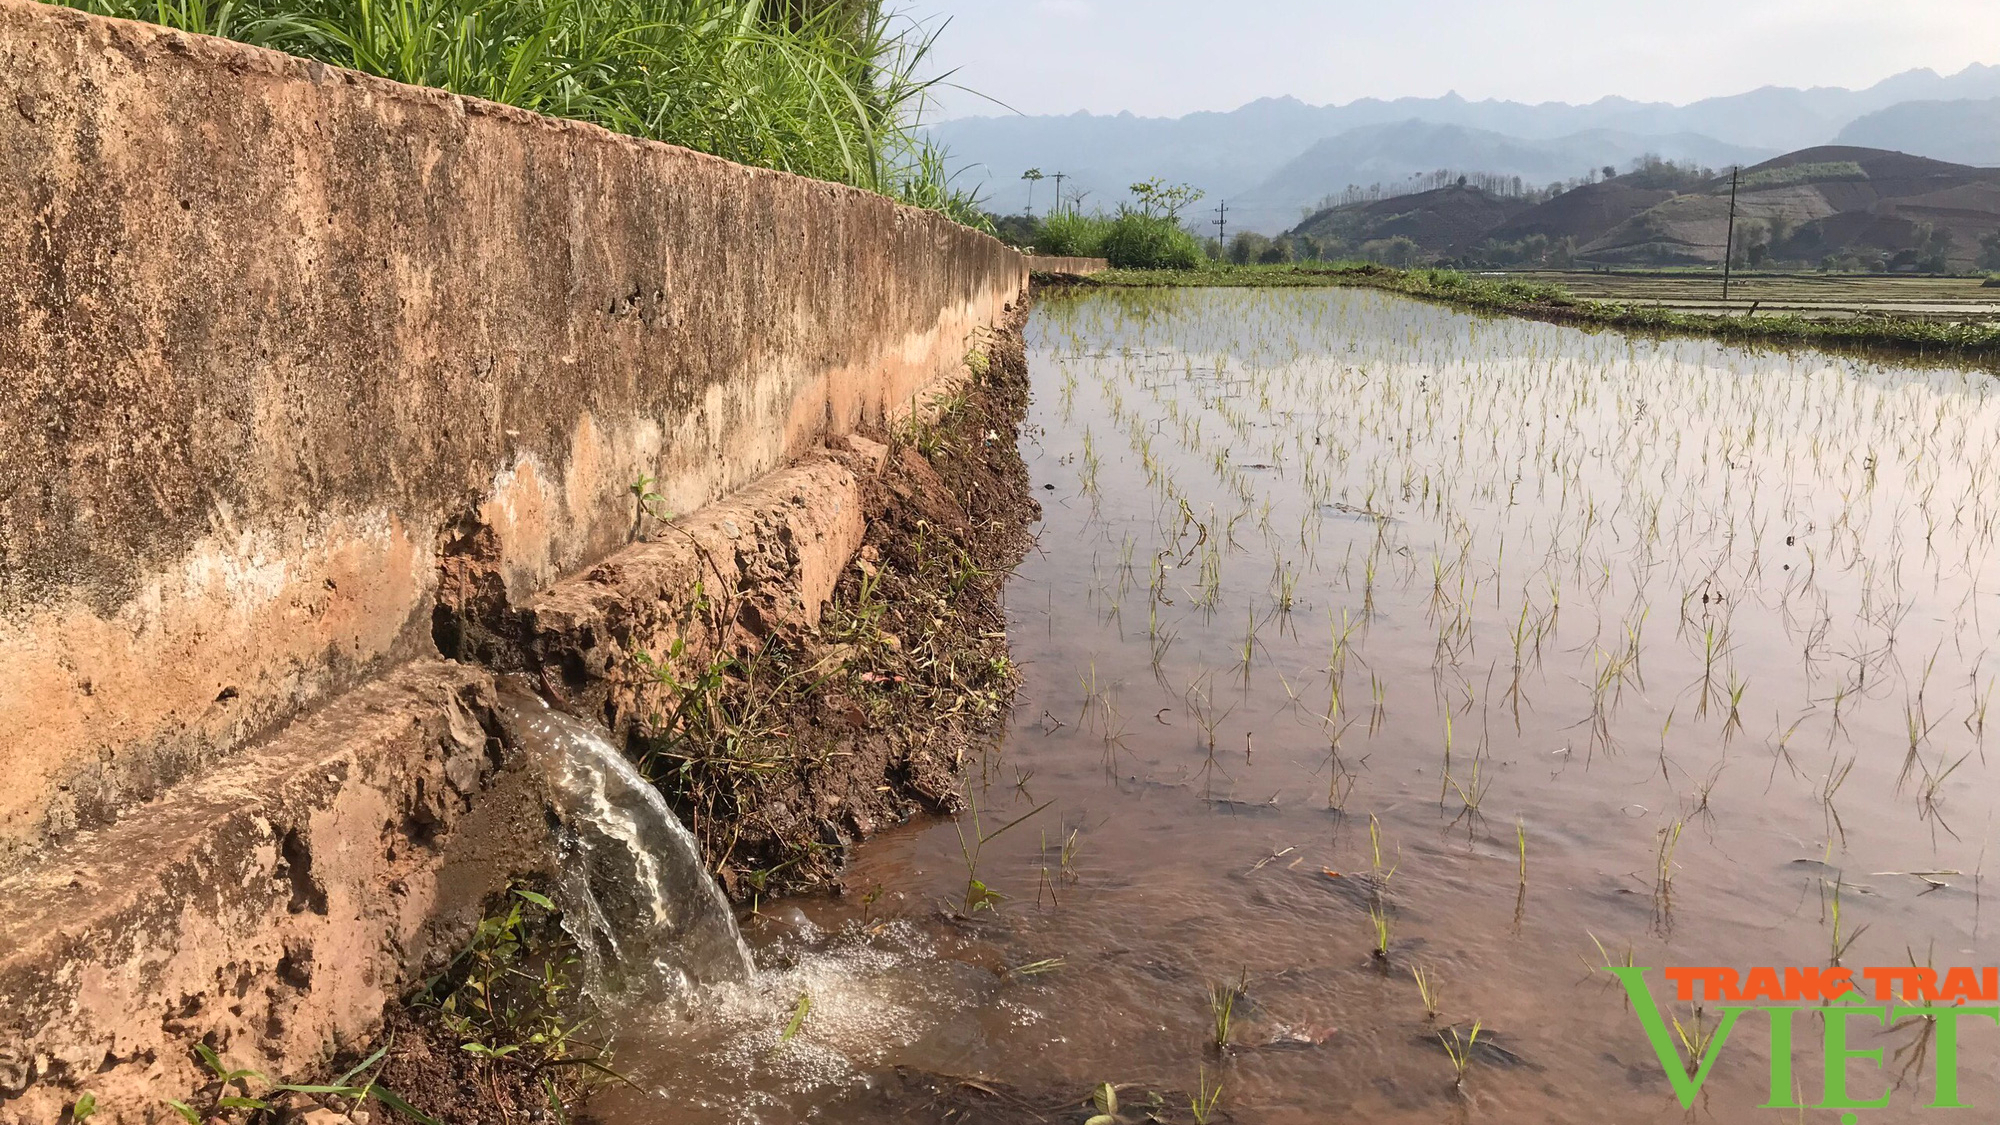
<point>874,992</point>
<point>635,895</point>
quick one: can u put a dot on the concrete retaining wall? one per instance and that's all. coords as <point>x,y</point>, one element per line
<point>272,333</point>
<point>299,371</point>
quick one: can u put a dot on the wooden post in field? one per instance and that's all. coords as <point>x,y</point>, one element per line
<point>1729,240</point>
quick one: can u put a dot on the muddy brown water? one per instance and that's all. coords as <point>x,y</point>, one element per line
<point>1675,612</point>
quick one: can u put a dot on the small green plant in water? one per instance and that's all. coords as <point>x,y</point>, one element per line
<point>1104,1100</point>
<point>1202,1104</point>
<point>1427,989</point>
<point>1459,1049</point>
<point>1378,918</point>
<point>800,1011</point>
<point>1222,1009</point>
<point>979,896</point>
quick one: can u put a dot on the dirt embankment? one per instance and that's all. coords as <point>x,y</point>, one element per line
<point>781,741</point>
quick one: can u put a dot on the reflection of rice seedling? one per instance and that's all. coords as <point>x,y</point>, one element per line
<point>1841,942</point>
<point>1663,874</point>
<point>1521,839</point>
<point>1734,723</point>
<point>1714,646</point>
<point>1445,782</point>
<point>1204,713</point>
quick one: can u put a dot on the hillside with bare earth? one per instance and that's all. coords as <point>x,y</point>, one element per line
<point>1838,205</point>
<point>1449,220</point>
<point>1815,203</point>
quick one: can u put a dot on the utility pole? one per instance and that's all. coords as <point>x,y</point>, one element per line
<point>1059,177</point>
<point>1729,240</point>
<point>1222,226</point>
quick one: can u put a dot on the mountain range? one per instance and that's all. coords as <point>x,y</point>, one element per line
<point>1832,204</point>
<point>1276,157</point>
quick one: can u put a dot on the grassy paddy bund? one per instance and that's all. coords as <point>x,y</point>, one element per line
<point>1390,671</point>
<point>1954,316</point>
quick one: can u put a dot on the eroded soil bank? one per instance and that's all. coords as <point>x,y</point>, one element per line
<point>781,741</point>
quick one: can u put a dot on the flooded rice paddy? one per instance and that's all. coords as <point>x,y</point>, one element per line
<point>1369,641</point>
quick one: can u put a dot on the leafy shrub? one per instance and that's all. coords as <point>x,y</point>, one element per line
<point>1247,247</point>
<point>1071,234</point>
<point>1138,241</point>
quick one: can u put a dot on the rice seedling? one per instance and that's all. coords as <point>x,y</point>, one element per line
<point>1663,873</point>
<point>1459,1049</point>
<point>1222,1000</point>
<point>1526,495</point>
<point>1427,990</point>
<point>1205,1098</point>
<point>1693,1037</point>
<point>1381,875</point>
<point>1378,921</point>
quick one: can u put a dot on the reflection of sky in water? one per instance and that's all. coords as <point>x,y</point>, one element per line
<point>1680,607</point>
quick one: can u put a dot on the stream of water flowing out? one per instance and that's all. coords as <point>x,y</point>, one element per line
<point>647,918</point>
<point>1533,647</point>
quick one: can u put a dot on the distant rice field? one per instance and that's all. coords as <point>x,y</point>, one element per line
<point>1812,295</point>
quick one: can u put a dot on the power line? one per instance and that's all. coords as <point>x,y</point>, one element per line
<point>1222,224</point>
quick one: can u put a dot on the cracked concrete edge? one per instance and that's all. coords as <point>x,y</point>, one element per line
<point>270,908</point>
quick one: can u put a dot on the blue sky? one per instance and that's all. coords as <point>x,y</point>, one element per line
<point>1169,57</point>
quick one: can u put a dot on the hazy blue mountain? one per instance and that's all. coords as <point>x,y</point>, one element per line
<point>1964,132</point>
<point>1391,153</point>
<point>1226,154</point>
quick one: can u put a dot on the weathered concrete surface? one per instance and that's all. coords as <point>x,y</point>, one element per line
<point>272,335</point>
<point>766,558</point>
<point>268,909</point>
<point>1075,267</point>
